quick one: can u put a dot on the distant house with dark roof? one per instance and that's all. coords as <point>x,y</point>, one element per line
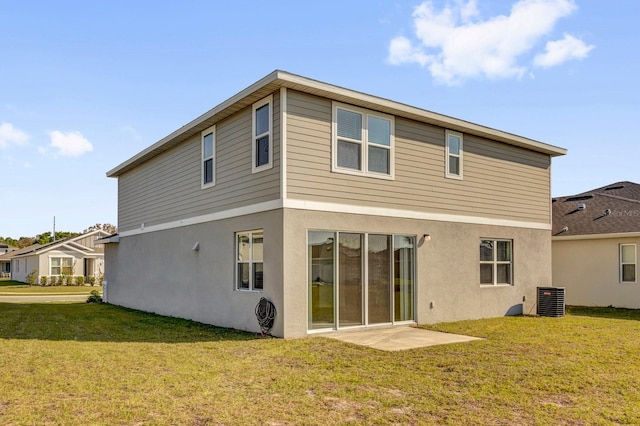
<point>595,246</point>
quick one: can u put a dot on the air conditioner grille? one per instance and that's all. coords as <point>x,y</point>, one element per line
<point>551,301</point>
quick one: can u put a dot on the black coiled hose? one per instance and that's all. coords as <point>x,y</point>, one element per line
<point>266,314</point>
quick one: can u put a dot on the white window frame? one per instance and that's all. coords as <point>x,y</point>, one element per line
<point>254,138</point>
<point>252,262</point>
<point>211,130</point>
<point>448,154</point>
<point>635,263</point>
<point>61,266</point>
<point>364,143</point>
<point>494,262</point>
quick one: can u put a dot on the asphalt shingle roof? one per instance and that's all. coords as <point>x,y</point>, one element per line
<point>610,209</point>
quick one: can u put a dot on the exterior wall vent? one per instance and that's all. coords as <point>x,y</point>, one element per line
<point>550,302</point>
<point>582,206</point>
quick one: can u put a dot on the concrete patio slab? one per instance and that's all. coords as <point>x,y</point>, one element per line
<point>398,338</point>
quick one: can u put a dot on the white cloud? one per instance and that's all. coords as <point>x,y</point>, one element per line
<point>559,51</point>
<point>401,51</point>
<point>70,144</point>
<point>9,135</point>
<point>456,44</point>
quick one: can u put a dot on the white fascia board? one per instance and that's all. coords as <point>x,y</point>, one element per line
<point>59,246</point>
<point>224,105</point>
<point>109,240</point>
<point>404,110</point>
<point>596,236</point>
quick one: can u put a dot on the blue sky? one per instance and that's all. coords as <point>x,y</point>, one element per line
<point>85,85</point>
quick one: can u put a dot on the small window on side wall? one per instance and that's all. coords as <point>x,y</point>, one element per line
<point>453,154</point>
<point>208,140</point>
<point>628,263</point>
<point>496,262</point>
<point>262,135</point>
<point>249,260</point>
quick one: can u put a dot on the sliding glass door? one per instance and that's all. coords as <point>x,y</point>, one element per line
<point>360,279</point>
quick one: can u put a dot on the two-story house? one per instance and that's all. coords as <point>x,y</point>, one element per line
<point>342,208</point>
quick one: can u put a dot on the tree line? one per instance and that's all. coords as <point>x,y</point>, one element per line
<point>47,237</point>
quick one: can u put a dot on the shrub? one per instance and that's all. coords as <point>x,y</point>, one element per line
<point>59,280</point>
<point>80,280</point>
<point>100,279</point>
<point>92,281</point>
<point>43,280</point>
<point>94,297</point>
<point>32,277</point>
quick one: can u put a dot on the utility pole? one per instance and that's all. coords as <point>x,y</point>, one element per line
<point>54,229</point>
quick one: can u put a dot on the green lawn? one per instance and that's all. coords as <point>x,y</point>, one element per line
<point>8,287</point>
<point>77,364</point>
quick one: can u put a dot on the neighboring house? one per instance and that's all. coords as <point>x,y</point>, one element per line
<point>342,208</point>
<point>77,256</point>
<point>595,246</point>
<point>5,248</point>
<point>5,263</point>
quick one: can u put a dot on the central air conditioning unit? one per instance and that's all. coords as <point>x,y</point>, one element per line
<point>550,302</point>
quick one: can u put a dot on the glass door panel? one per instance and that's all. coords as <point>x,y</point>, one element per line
<point>321,280</point>
<point>379,284</point>
<point>403,277</point>
<point>350,279</point>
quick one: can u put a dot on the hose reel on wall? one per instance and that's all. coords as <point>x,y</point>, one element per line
<point>266,314</point>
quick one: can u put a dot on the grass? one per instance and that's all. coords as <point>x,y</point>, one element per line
<point>8,287</point>
<point>79,364</point>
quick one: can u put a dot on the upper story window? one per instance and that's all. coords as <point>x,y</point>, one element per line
<point>453,154</point>
<point>363,142</point>
<point>208,138</point>
<point>496,262</point>
<point>249,260</point>
<point>628,263</point>
<point>262,135</point>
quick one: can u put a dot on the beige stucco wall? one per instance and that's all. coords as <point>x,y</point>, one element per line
<point>447,266</point>
<point>160,272</point>
<point>589,271</point>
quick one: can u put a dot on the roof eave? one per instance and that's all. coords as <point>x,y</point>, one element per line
<point>596,236</point>
<point>280,78</point>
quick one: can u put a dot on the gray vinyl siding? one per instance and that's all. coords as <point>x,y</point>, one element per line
<point>500,180</point>
<point>168,187</point>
